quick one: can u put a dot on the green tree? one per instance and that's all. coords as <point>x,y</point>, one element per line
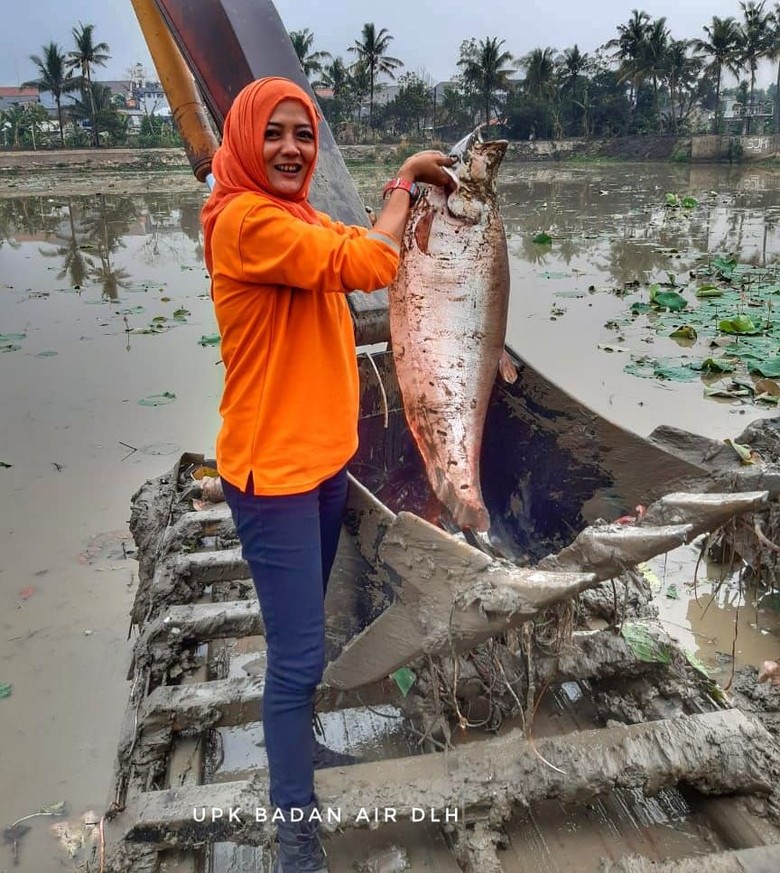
<point>484,66</point>
<point>653,59</point>
<point>573,68</point>
<point>35,116</point>
<point>410,106</point>
<point>721,45</point>
<point>311,61</point>
<point>338,108</point>
<point>774,54</point>
<point>540,78</point>
<point>755,43</point>
<point>630,51</point>
<point>88,54</point>
<point>97,103</point>
<point>540,87</point>
<point>683,74</point>
<point>14,120</point>
<point>53,77</point>
<point>454,113</point>
<point>371,50</point>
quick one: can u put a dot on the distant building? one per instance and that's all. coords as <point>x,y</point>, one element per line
<point>735,108</point>
<point>10,97</point>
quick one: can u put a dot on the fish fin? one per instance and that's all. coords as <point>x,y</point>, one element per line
<point>507,368</point>
<point>422,231</point>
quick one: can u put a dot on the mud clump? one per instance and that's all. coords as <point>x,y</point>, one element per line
<point>759,698</point>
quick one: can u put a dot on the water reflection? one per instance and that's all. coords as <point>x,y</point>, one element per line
<point>618,222</point>
<point>85,234</point>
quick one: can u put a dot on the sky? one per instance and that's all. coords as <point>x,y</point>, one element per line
<point>426,35</point>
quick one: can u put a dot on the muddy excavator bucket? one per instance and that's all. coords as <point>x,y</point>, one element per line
<point>226,44</point>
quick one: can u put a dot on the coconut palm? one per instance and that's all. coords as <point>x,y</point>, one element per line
<point>572,71</point>
<point>311,61</point>
<point>539,65</point>
<point>372,54</point>
<point>87,55</point>
<point>485,69</point>
<point>338,78</point>
<point>683,75</point>
<point>53,77</point>
<point>630,49</point>
<point>721,45</point>
<point>774,54</point>
<point>755,43</point>
<point>653,55</point>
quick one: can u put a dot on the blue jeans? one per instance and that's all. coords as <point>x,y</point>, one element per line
<point>290,544</point>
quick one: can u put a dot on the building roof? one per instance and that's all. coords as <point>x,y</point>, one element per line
<point>18,92</point>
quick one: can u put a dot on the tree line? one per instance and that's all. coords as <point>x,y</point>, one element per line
<point>644,80</point>
<point>62,72</point>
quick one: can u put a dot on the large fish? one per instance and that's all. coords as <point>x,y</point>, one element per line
<point>448,311</point>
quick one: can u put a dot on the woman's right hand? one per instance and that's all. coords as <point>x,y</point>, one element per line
<point>426,166</point>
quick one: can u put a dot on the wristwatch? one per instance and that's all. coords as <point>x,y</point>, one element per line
<point>412,189</point>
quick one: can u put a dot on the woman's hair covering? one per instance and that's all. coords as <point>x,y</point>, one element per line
<point>238,164</point>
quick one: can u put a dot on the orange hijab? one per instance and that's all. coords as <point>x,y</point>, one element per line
<point>238,164</point>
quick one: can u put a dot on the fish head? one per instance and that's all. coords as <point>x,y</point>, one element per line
<point>477,161</point>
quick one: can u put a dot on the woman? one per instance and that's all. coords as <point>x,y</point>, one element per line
<point>280,271</point>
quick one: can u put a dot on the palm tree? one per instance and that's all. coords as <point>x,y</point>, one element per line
<point>653,55</point>
<point>336,76</point>
<point>311,61</point>
<point>53,77</point>
<point>484,69</point>
<point>774,54</point>
<point>372,54</point>
<point>683,74</point>
<point>630,46</point>
<point>721,45</point>
<point>572,69</point>
<point>754,44</point>
<point>539,65</point>
<point>88,55</point>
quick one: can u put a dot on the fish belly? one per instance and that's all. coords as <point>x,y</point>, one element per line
<point>448,309</point>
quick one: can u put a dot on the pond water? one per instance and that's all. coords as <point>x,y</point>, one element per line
<point>108,373</point>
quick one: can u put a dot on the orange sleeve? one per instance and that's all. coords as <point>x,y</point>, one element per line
<point>350,230</point>
<point>275,248</point>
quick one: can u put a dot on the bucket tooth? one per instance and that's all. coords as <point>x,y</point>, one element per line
<point>704,511</point>
<point>451,597</point>
<point>608,550</point>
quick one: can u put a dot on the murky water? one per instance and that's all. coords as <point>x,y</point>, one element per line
<point>103,302</point>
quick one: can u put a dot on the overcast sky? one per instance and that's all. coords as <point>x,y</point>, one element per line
<point>426,35</point>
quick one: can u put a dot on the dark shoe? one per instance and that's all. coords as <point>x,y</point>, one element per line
<point>300,848</point>
<point>325,757</point>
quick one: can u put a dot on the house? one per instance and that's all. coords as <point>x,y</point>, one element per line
<point>10,97</point>
<point>733,107</point>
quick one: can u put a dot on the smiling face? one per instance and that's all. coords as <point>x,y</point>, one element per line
<point>289,148</point>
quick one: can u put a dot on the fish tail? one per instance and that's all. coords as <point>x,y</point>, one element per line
<point>467,509</point>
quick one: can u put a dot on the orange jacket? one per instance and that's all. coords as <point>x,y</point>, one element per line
<point>290,403</point>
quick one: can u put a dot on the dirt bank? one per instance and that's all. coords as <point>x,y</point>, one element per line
<point>136,171</point>
<point>88,171</point>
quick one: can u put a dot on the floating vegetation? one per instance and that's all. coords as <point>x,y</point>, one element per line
<point>729,312</point>
<point>9,342</point>
<point>158,399</point>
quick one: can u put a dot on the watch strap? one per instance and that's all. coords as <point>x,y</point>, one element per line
<point>412,189</point>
